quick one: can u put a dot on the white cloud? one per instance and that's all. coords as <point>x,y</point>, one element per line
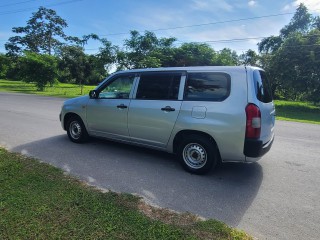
<point>252,3</point>
<point>312,5</point>
<point>287,7</point>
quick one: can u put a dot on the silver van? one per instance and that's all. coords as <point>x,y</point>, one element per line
<point>202,114</point>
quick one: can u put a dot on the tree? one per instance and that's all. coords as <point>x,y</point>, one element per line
<point>142,51</point>
<point>194,54</point>
<point>84,40</point>
<point>270,44</point>
<point>226,57</point>
<point>4,65</point>
<point>250,57</point>
<point>41,34</point>
<point>300,22</point>
<point>316,23</point>
<point>293,59</point>
<point>107,55</point>
<point>38,68</point>
<point>72,64</point>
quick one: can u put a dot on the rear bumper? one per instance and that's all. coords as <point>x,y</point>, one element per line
<point>255,148</point>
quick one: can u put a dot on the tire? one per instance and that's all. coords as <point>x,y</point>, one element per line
<point>76,130</point>
<point>197,154</point>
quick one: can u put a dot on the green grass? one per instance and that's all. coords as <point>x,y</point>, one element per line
<point>39,201</point>
<point>297,111</point>
<point>58,90</point>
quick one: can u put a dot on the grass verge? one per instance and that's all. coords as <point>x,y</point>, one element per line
<point>297,112</point>
<point>38,201</point>
<point>66,90</point>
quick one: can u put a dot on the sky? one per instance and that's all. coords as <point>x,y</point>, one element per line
<point>235,24</point>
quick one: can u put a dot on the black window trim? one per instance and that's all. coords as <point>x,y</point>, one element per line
<point>208,99</point>
<point>139,74</point>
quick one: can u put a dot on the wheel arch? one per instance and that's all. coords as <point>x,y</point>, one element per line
<point>183,133</point>
<point>67,117</point>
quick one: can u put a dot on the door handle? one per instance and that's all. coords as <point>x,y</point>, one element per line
<point>168,109</point>
<point>122,106</point>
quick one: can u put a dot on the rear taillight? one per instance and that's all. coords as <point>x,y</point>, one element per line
<point>253,126</point>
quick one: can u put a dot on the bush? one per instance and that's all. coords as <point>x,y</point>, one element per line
<point>4,65</point>
<point>42,69</point>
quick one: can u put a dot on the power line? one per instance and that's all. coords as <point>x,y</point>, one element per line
<point>226,40</point>
<point>11,4</point>
<point>204,24</point>
<point>304,45</point>
<point>31,8</point>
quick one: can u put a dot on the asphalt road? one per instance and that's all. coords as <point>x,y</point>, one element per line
<point>276,198</point>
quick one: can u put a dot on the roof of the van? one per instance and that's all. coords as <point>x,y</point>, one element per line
<point>195,68</point>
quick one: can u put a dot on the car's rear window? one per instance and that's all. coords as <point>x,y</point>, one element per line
<point>262,86</point>
<point>207,86</point>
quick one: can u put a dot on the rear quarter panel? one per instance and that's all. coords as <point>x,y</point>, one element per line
<point>267,109</point>
<point>225,121</point>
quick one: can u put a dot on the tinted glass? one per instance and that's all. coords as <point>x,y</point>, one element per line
<point>262,86</point>
<point>207,86</point>
<point>159,86</point>
<point>120,87</point>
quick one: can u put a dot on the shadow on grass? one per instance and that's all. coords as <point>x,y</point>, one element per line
<point>224,194</point>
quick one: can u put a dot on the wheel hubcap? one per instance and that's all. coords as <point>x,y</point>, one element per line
<point>194,155</point>
<point>75,130</point>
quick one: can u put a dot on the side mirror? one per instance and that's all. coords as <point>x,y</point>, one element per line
<point>93,94</point>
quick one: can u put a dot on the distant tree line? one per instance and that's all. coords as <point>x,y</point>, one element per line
<point>42,53</point>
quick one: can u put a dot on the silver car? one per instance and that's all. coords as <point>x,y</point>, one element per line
<point>202,114</point>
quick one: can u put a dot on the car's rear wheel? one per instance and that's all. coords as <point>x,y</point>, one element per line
<point>76,130</point>
<point>197,154</point>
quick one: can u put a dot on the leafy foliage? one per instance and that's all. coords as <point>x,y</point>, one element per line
<point>145,51</point>
<point>40,35</point>
<point>38,68</point>
<point>299,23</point>
<point>4,65</point>
<point>293,58</point>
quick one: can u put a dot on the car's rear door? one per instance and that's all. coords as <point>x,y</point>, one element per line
<point>155,108</point>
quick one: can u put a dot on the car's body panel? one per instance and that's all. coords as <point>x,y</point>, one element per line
<point>106,119</point>
<point>267,110</point>
<point>146,122</point>
<point>150,125</point>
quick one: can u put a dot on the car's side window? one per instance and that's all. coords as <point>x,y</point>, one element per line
<point>118,88</point>
<point>207,86</point>
<point>159,86</point>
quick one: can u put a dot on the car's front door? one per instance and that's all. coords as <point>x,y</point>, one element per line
<point>107,115</point>
<point>155,108</point>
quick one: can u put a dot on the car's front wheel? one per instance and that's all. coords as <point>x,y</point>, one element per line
<point>76,130</point>
<point>197,154</point>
